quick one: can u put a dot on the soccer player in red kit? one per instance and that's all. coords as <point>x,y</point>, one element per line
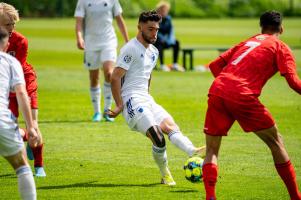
<point>18,47</point>
<point>240,74</point>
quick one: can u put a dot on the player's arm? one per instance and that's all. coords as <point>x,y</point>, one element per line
<point>79,24</point>
<point>293,81</point>
<point>23,103</point>
<point>122,27</point>
<point>117,75</point>
<point>217,66</point>
<point>22,51</point>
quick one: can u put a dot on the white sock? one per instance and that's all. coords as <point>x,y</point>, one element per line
<point>95,98</point>
<point>26,184</point>
<point>160,157</point>
<point>107,93</point>
<point>182,142</point>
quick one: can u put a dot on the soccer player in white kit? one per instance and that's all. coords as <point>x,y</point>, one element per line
<point>130,88</point>
<point>11,143</point>
<point>96,36</point>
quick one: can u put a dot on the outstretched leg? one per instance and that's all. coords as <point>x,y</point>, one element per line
<point>282,162</point>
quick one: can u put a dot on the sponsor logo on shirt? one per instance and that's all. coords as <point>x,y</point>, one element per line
<point>153,57</point>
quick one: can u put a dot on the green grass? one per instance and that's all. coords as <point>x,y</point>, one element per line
<point>86,160</point>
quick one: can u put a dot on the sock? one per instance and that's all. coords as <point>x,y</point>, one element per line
<point>25,137</point>
<point>287,173</point>
<point>95,98</point>
<point>107,93</point>
<point>209,179</point>
<point>26,184</point>
<point>160,157</point>
<point>182,142</point>
<point>38,155</point>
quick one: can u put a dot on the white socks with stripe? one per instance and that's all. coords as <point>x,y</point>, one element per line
<point>95,98</point>
<point>107,93</point>
<point>26,184</point>
<point>160,157</point>
<point>182,142</point>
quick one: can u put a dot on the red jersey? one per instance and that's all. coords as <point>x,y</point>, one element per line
<point>18,47</point>
<point>243,70</point>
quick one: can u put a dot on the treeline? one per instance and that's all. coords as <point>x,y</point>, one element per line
<point>180,8</point>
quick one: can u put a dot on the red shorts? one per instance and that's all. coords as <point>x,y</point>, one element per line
<point>31,88</point>
<point>252,116</point>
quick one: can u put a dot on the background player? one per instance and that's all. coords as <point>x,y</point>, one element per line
<point>130,88</point>
<point>18,47</point>
<point>11,144</point>
<point>96,35</point>
<point>240,73</point>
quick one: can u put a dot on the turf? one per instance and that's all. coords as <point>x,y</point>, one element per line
<point>86,160</point>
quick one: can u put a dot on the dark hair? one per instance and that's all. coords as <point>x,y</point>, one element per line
<point>150,16</point>
<point>271,20</point>
<point>3,33</point>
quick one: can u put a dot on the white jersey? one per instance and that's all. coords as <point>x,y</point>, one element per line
<point>98,18</point>
<point>11,74</point>
<point>139,63</point>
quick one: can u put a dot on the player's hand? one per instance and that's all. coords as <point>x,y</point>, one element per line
<point>33,137</point>
<point>114,113</point>
<point>81,44</point>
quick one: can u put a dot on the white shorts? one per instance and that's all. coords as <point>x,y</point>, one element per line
<point>140,115</point>
<point>11,142</point>
<point>95,59</point>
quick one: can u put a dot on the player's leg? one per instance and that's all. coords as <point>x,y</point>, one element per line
<point>210,168</point>
<point>38,151</point>
<point>26,182</point>
<point>12,148</point>
<point>282,162</point>
<point>92,63</point>
<point>169,127</point>
<point>176,49</point>
<point>108,67</point>
<point>155,134</point>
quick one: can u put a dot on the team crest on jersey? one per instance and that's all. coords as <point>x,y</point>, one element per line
<point>261,37</point>
<point>105,4</point>
<point>127,58</point>
<point>153,57</point>
<point>12,53</point>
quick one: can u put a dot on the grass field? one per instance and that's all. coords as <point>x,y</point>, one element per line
<point>86,160</point>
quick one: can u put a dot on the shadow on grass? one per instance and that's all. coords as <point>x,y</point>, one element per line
<point>92,184</point>
<point>7,176</point>
<point>65,121</point>
<point>184,191</point>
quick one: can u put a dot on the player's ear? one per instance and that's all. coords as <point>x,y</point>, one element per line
<point>139,27</point>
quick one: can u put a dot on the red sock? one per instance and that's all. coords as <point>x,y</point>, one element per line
<point>209,179</point>
<point>287,173</point>
<point>25,137</point>
<point>38,155</point>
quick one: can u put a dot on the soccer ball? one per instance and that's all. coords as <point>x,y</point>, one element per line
<point>193,169</point>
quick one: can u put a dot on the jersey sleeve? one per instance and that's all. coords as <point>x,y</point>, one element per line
<point>22,51</point>
<point>80,9</point>
<point>117,10</point>
<point>17,76</point>
<point>126,58</point>
<point>217,66</point>
<point>285,60</point>
<point>227,55</point>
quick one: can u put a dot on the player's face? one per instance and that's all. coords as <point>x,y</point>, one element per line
<point>8,24</point>
<point>149,31</point>
<point>163,11</point>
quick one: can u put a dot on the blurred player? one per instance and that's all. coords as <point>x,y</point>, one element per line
<point>96,36</point>
<point>18,47</point>
<point>130,88</point>
<point>11,144</point>
<point>241,72</point>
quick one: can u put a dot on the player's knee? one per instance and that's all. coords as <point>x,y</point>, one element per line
<point>157,137</point>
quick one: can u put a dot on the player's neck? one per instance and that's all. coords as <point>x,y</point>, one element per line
<point>142,41</point>
<point>271,33</point>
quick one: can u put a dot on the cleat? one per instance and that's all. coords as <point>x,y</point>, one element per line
<point>29,152</point>
<point>177,67</point>
<point>107,118</point>
<point>167,179</point>
<point>165,68</point>
<point>200,152</point>
<point>96,117</point>
<point>40,172</point>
